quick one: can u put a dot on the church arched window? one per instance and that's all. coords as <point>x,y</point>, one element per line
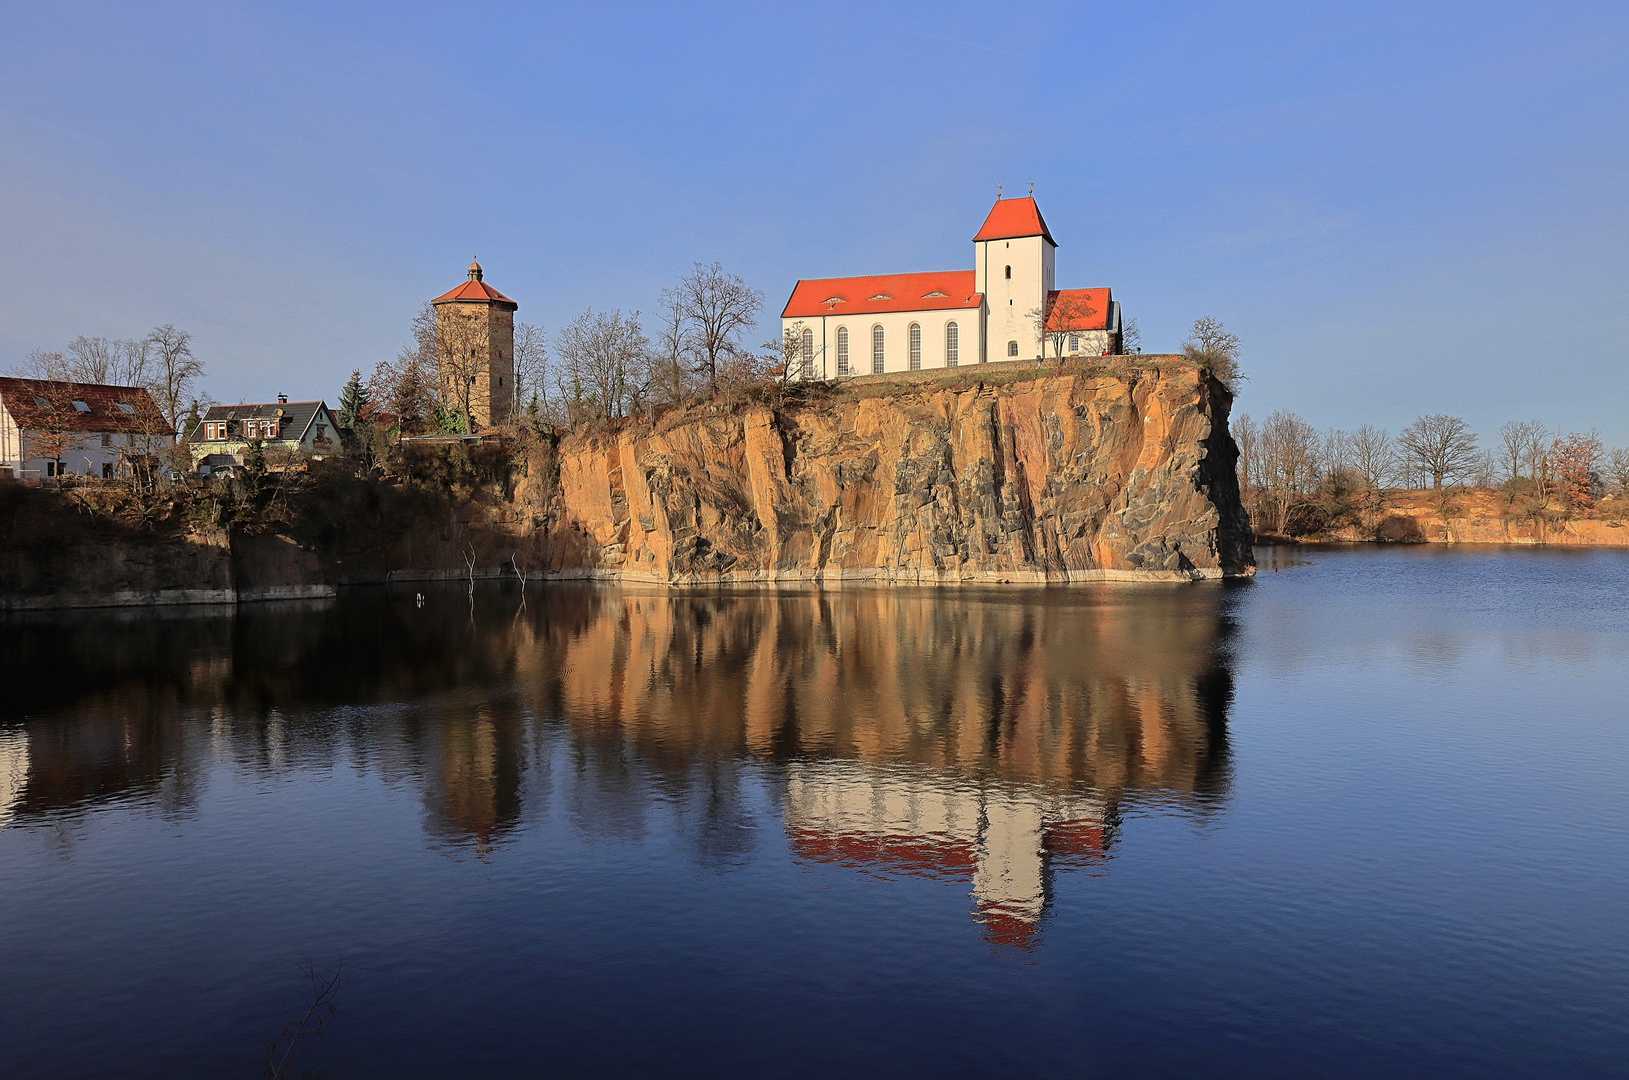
<point>842,350</point>
<point>876,349</point>
<point>1012,348</point>
<point>914,339</point>
<point>953,344</point>
<point>806,355</point>
<point>1009,273</point>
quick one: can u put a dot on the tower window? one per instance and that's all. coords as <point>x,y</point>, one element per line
<point>953,344</point>
<point>914,338</point>
<point>842,350</point>
<point>1012,348</point>
<point>1009,273</point>
<point>806,357</point>
<point>876,350</point>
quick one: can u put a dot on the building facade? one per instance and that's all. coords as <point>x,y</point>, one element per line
<point>287,431</point>
<point>1007,307</point>
<point>50,428</point>
<point>475,350</point>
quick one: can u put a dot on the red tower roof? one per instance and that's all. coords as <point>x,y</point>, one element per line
<point>1012,218</point>
<point>475,290</point>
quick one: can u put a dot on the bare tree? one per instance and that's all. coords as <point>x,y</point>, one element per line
<point>174,370</point>
<point>93,359</point>
<point>717,309</point>
<point>1210,346</point>
<point>1288,466</point>
<point>1336,453</point>
<point>1246,435</point>
<point>794,355</point>
<point>1617,470</point>
<point>671,359</point>
<point>1063,314</point>
<point>1442,446</point>
<point>1518,441</point>
<point>604,364</point>
<point>1372,455</point>
<point>1131,338</point>
<point>531,366</point>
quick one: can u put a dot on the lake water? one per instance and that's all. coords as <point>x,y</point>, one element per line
<point>1367,815</point>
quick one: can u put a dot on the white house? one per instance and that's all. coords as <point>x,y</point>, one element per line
<point>53,428</point>
<point>907,322</point>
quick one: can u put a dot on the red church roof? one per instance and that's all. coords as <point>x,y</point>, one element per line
<point>945,290</point>
<point>1012,218</point>
<point>1078,309</point>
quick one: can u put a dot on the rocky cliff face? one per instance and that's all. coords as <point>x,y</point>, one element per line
<point>1009,476</point>
<point>1054,475</point>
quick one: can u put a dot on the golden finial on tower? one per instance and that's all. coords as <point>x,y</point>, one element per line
<point>1032,187</point>
<point>998,193</point>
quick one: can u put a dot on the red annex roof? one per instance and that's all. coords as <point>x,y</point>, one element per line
<point>946,290</point>
<point>46,405</point>
<point>1012,218</point>
<point>1078,309</point>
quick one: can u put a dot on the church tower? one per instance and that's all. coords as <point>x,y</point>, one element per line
<point>1014,267</point>
<point>475,350</point>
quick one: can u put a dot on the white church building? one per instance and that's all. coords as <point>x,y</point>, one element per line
<point>993,312</point>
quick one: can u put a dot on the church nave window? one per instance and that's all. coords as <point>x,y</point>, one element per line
<point>953,344</point>
<point>806,355</point>
<point>842,350</point>
<point>876,350</point>
<point>1074,343</point>
<point>915,338</point>
<point>1012,348</point>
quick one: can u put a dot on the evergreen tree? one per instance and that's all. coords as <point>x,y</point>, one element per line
<point>353,402</point>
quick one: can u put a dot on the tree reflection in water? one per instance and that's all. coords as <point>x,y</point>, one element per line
<point>993,736</point>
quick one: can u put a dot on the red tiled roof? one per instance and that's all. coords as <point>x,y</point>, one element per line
<point>1078,309</point>
<point>882,293</point>
<point>1011,218</point>
<point>475,290</point>
<point>60,413</point>
<point>1004,928</point>
<point>885,852</point>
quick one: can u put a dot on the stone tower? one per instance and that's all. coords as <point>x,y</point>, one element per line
<point>475,350</point>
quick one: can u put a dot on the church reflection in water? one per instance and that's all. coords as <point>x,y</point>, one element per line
<point>989,736</point>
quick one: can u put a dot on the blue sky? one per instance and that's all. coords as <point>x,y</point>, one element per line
<point>1400,208</point>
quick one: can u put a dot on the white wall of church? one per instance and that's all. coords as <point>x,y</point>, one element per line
<point>1012,299</point>
<point>896,327</point>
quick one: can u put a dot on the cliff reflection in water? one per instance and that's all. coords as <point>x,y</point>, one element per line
<point>989,736</point>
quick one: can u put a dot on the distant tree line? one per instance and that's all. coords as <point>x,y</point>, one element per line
<point>1297,480</point>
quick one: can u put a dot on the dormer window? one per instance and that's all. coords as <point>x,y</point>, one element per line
<point>882,296</point>
<point>81,406</point>
<point>41,402</point>
<point>126,407</point>
<point>931,295</point>
<point>834,299</point>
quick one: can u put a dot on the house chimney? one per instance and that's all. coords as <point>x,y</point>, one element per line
<point>282,399</point>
